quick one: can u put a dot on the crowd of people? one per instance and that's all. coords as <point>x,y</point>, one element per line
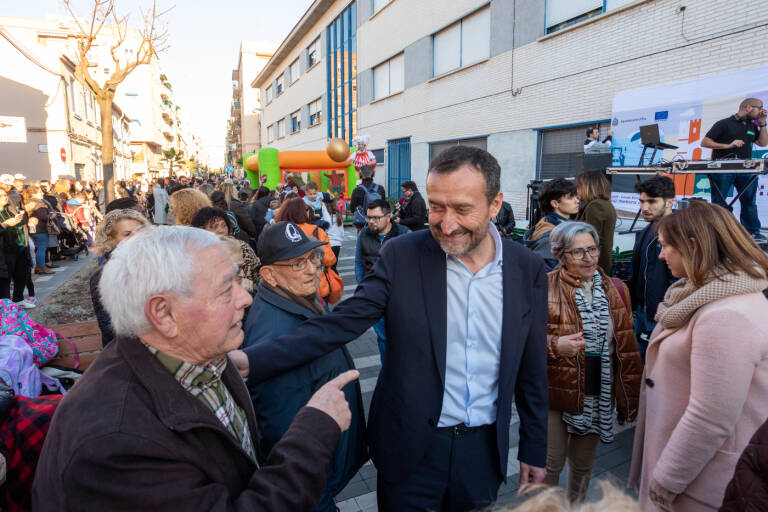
<point>225,382</point>
<point>43,222</point>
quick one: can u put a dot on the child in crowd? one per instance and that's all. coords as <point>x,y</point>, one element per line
<point>274,205</point>
<point>335,230</point>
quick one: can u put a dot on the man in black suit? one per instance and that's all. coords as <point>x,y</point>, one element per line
<point>466,315</point>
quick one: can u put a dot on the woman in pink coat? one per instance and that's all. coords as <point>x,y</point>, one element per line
<point>705,388</point>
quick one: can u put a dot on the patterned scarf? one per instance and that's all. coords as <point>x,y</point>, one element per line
<point>597,417</point>
<point>683,299</point>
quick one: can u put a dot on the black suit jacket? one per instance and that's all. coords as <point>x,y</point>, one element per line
<point>408,286</point>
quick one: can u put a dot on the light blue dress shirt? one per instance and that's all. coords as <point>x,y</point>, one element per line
<point>475,310</point>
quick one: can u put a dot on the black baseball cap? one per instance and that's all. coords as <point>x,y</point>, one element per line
<point>284,241</point>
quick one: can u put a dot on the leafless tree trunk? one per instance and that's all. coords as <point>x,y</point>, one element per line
<point>154,39</point>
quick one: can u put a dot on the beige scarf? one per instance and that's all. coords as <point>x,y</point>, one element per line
<point>683,299</point>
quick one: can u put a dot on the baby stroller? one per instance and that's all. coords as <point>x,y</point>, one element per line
<point>72,238</point>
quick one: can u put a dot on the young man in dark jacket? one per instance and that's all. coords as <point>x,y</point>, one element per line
<point>372,237</point>
<point>650,275</point>
<point>414,209</point>
<point>559,202</point>
<point>364,191</point>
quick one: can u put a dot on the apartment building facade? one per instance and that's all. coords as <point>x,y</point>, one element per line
<point>244,125</point>
<point>146,114</point>
<point>520,78</point>
<point>294,83</point>
<point>57,116</point>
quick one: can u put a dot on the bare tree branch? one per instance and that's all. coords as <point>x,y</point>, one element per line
<point>121,25</point>
<point>153,40</point>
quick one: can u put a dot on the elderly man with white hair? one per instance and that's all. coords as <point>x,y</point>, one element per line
<point>162,420</point>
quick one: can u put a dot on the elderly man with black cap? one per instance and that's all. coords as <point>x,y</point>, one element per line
<point>291,270</point>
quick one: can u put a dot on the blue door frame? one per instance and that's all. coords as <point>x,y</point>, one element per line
<point>398,165</point>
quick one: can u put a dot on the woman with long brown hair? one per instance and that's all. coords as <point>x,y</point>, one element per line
<point>594,192</point>
<point>706,375</point>
<point>234,205</point>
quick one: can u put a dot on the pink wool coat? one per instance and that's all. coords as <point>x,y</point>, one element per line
<point>704,394</point>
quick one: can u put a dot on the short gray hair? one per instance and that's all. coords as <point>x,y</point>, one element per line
<point>561,238</point>
<point>153,261</point>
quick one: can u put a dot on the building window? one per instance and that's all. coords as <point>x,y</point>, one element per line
<point>465,42</point>
<point>379,5</point>
<point>269,95</point>
<point>73,86</point>
<point>296,121</point>
<point>315,112</point>
<point>270,133</point>
<point>564,13</point>
<point>293,71</point>
<point>281,128</point>
<point>313,53</point>
<point>341,66</point>
<point>435,148</point>
<point>95,109</point>
<point>388,77</point>
<point>279,85</point>
<point>86,104</point>
<point>562,150</point>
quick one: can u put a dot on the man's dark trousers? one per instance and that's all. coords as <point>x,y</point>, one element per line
<point>748,200</point>
<point>458,473</point>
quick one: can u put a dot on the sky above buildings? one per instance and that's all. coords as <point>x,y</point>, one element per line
<point>204,43</point>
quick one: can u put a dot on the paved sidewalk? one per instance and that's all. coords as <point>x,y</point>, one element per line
<point>45,284</point>
<point>612,460</point>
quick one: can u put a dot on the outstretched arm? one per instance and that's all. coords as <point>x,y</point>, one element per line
<point>319,336</point>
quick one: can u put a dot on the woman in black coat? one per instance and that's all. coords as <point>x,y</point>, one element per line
<point>414,208</point>
<point>116,227</point>
<point>234,205</point>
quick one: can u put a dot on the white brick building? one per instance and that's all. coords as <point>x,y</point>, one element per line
<point>522,78</point>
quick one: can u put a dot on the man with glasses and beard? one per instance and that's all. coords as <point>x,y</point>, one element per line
<point>291,268</point>
<point>378,230</point>
<point>466,315</point>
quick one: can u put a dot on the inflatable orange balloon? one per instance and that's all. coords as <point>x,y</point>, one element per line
<point>337,149</point>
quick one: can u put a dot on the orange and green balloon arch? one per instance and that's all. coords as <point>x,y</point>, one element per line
<point>327,168</point>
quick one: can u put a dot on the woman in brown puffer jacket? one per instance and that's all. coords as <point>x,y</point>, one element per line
<point>594,363</point>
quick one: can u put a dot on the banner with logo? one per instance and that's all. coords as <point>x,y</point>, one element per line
<point>684,111</point>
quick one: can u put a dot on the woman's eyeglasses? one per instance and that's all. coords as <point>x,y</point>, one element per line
<point>579,254</point>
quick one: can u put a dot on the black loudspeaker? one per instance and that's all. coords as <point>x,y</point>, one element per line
<point>596,161</point>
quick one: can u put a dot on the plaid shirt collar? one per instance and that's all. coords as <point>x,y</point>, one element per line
<point>194,378</point>
<point>205,384</point>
